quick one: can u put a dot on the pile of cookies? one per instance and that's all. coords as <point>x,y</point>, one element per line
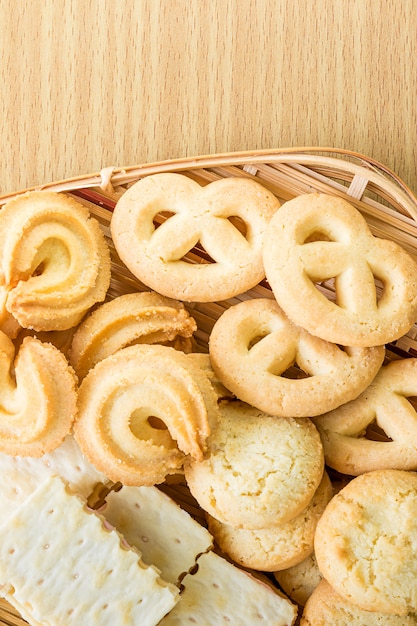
<point>271,426</point>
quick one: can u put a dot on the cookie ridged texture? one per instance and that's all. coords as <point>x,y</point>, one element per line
<point>318,237</point>
<point>142,317</point>
<point>121,397</point>
<point>209,216</point>
<point>366,539</point>
<point>38,397</point>
<point>252,346</point>
<point>279,547</point>
<point>54,260</point>
<point>259,470</point>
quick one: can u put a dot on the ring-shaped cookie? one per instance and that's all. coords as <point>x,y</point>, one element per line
<point>142,317</point>
<point>197,215</point>
<point>318,237</point>
<point>349,445</point>
<point>38,397</point>
<point>252,346</point>
<point>54,260</point>
<point>141,411</point>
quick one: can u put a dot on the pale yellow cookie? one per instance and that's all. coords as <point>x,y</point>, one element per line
<point>326,608</point>
<point>278,547</point>
<point>299,581</point>
<point>54,261</point>
<point>38,397</point>
<point>259,470</point>
<point>349,436</point>
<point>365,542</point>
<point>142,317</point>
<point>318,237</point>
<point>141,411</point>
<point>253,345</point>
<point>209,216</point>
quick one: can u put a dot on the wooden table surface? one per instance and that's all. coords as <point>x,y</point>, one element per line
<point>87,85</point>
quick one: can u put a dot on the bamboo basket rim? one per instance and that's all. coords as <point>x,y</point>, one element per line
<point>335,160</point>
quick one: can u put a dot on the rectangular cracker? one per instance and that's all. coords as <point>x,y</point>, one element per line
<point>60,565</point>
<point>220,593</point>
<point>166,535</point>
<point>22,475</point>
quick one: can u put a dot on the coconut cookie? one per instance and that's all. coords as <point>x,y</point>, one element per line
<point>317,237</point>
<point>54,261</point>
<point>227,218</point>
<point>142,410</point>
<point>352,444</point>
<point>38,397</point>
<point>259,470</point>
<point>131,318</point>
<point>279,547</point>
<point>365,542</point>
<point>326,608</point>
<point>253,345</point>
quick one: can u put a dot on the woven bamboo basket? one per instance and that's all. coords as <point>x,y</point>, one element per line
<point>388,205</point>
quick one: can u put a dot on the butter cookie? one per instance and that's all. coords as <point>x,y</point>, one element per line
<point>365,542</point>
<point>253,346</point>
<point>227,218</point>
<point>318,237</point>
<point>54,261</point>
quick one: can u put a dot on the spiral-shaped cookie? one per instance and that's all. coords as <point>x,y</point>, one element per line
<point>145,317</point>
<point>38,397</point>
<point>54,260</point>
<point>141,411</point>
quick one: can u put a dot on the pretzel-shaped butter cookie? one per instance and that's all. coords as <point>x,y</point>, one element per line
<point>201,215</point>
<point>123,402</point>
<point>54,261</point>
<point>347,446</point>
<point>317,237</point>
<point>253,344</point>
<point>38,397</point>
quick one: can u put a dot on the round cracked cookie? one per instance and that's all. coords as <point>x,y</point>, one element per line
<point>259,470</point>
<point>279,547</point>
<point>365,542</point>
<point>326,608</point>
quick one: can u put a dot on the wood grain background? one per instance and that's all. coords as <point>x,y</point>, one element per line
<point>88,84</point>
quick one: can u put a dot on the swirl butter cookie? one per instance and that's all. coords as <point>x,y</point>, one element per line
<point>279,547</point>
<point>351,439</point>
<point>54,261</point>
<point>142,410</point>
<point>142,317</point>
<point>252,346</point>
<point>326,608</point>
<point>365,542</point>
<point>318,237</point>
<point>259,470</point>
<point>227,217</point>
<point>38,397</point>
